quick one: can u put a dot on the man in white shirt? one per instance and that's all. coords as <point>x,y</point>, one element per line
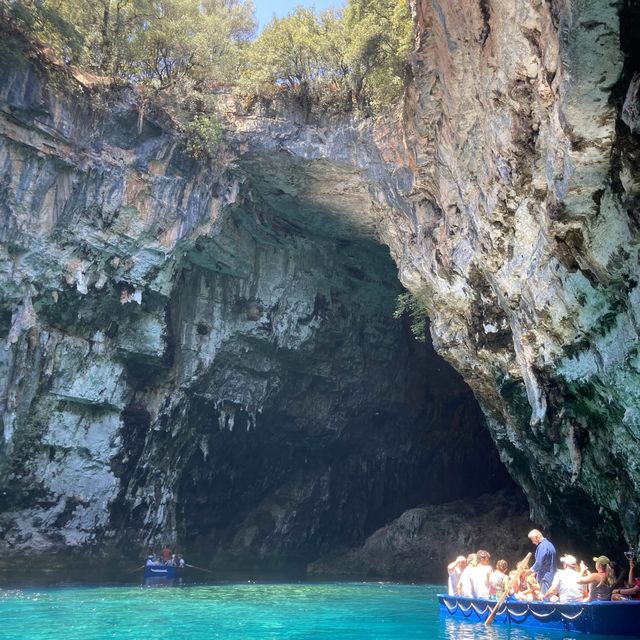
<point>455,570</point>
<point>480,575</point>
<point>565,582</point>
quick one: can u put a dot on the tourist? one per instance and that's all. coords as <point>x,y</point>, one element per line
<point>455,570</point>
<point>601,582</point>
<point>499,580</point>
<point>565,586</point>
<point>165,555</point>
<point>465,586</point>
<point>632,590</point>
<point>480,575</point>
<point>532,593</point>
<point>152,560</point>
<point>544,566</point>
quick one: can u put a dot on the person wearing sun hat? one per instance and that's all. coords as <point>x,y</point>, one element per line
<point>455,570</point>
<point>565,583</point>
<point>601,582</point>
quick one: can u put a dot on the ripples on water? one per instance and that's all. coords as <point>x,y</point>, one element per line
<point>350,611</point>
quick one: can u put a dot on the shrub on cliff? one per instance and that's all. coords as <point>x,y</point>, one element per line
<point>378,48</point>
<point>203,136</point>
<point>414,306</point>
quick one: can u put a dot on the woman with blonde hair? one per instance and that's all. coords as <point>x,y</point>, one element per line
<point>601,582</point>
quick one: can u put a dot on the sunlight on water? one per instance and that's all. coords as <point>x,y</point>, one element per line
<point>241,612</point>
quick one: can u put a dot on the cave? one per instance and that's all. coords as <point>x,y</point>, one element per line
<point>205,354</point>
<point>305,412</point>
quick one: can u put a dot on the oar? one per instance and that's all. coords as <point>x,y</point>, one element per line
<point>136,569</point>
<point>198,568</point>
<point>521,567</point>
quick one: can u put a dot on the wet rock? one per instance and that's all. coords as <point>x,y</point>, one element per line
<point>422,541</point>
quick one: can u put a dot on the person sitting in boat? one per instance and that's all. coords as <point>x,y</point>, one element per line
<point>455,570</point>
<point>632,590</point>
<point>152,561</point>
<point>480,575</point>
<point>601,582</point>
<point>565,586</point>
<point>519,585</point>
<point>544,567</point>
<point>465,586</point>
<point>499,580</point>
<point>532,593</point>
<point>165,555</point>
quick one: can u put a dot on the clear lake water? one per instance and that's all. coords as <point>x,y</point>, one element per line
<point>242,611</point>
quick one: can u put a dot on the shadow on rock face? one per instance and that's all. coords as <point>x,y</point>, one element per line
<point>424,540</point>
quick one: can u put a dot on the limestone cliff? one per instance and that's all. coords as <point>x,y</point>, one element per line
<point>522,118</point>
<point>206,355</point>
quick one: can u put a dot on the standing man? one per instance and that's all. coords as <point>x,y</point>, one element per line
<point>545,560</point>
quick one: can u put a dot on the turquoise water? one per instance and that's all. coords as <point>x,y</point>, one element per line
<point>353,611</point>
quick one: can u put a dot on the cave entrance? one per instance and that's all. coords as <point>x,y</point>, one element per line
<point>314,416</point>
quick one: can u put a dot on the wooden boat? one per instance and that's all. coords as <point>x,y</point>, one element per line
<point>613,618</point>
<point>159,574</point>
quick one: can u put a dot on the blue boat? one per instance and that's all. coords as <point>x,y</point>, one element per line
<point>161,574</point>
<point>620,618</point>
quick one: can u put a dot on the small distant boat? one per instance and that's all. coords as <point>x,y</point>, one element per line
<point>161,574</point>
<point>614,618</point>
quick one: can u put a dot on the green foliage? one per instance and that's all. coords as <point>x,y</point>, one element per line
<point>379,47</point>
<point>40,22</point>
<point>203,137</point>
<point>202,39</point>
<point>360,54</point>
<point>142,40</point>
<point>287,52</point>
<point>411,304</point>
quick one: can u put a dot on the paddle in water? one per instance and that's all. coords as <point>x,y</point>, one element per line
<point>521,567</point>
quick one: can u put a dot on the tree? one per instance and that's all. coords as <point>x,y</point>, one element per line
<point>380,44</point>
<point>361,52</point>
<point>40,22</point>
<point>201,39</point>
<point>287,53</point>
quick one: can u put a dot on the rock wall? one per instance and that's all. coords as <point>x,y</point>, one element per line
<point>208,357</point>
<point>525,239</point>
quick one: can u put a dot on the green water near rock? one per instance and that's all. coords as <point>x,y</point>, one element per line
<point>353,611</point>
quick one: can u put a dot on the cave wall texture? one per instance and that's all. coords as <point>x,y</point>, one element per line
<point>523,122</point>
<point>206,355</point>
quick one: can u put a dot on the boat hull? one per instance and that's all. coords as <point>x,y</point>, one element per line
<point>160,575</point>
<point>614,618</point>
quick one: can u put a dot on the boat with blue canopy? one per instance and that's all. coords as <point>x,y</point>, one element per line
<point>613,618</point>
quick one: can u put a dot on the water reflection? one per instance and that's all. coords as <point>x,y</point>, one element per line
<point>451,629</point>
